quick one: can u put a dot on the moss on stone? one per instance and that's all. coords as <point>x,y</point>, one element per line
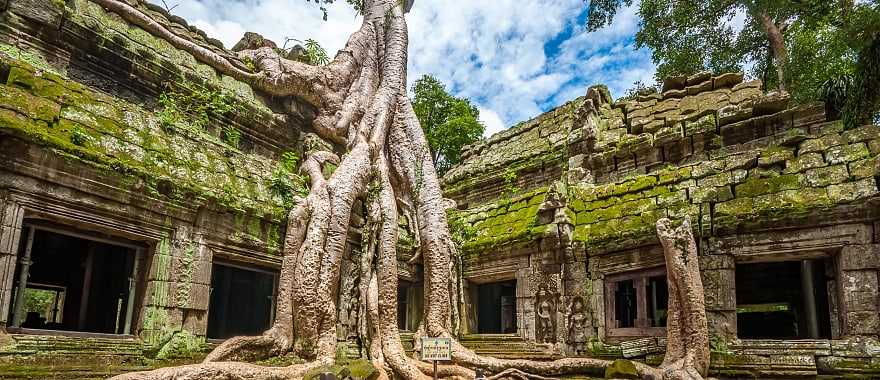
<point>124,139</point>
<point>621,369</point>
<point>760,186</point>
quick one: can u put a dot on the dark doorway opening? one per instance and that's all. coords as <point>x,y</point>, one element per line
<point>783,300</point>
<point>73,283</point>
<point>242,301</point>
<point>496,308</point>
<point>409,305</point>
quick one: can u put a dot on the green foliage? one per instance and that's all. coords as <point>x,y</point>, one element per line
<point>193,107</point>
<point>231,135</point>
<point>79,137</point>
<point>639,88</point>
<point>249,63</point>
<point>290,161</point>
<point>510,187</point>
<point>449,123</point>
<point>863,103</point>
<point>285,182</point>
<point>818,54</point>
<point>460,229</point>
<point>316,53</point>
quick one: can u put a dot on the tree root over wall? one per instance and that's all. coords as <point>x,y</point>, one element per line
<point>364,110</point>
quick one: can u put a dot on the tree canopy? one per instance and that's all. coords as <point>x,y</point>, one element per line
<point>449,123</point>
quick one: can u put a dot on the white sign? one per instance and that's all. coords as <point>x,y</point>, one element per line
<point>436,348</point>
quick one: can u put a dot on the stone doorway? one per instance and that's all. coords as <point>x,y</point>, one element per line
<point>75,282</point>
<point>496,307</point>
<point>783,300</point>
<point>242,300</point>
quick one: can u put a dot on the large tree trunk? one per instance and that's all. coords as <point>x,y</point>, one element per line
<point>777,47</point>
<point>364,110</point>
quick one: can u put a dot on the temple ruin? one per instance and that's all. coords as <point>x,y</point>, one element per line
<point>131,238</point>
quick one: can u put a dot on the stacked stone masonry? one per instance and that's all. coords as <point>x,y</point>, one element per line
<point>761,181</point>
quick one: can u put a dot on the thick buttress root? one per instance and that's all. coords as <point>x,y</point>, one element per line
<point>364,110</point>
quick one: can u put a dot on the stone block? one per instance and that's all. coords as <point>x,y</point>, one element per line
<point>862,134</point>
<point>719,286</point>
<point>824,176</point>
<point>674,94</point>
<point>862,323</point>
<point>821,144</point>
<point>705,193</point>
<point>868,167</point>
<point>856,257</point>
<point>861,301</point>
<point>702,125</point>
<point>199,297</point>
<point>752,84</point>
<point>640,347</point>
<point>699,78</point>
<point>699,88</point>
<point>850,191</point>
<point>727,80</point>
<point>677,82</point>
<point>621,369</point>
<point>858,281</point>
<point>770,103</point>
<point>846,153</point>
<point>49,13</point>
<point>733,113</point>
<point>803,162</point>
<point>745,96</point>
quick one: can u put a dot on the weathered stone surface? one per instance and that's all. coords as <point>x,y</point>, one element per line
<point>674,83</point>
<point>771,103</point>
<point>727,80</point>
<point>699,78</point>
<point>825,176</point>
<point>856,257</point>
<point>621,369</point>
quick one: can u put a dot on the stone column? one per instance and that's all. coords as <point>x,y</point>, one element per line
<point>858,289</point>
<point>719,284</point>
<point>11,219</point>
<point>177,293</point>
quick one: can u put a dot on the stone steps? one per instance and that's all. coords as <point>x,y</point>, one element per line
<point>76,345</point>
<point>504,346</point>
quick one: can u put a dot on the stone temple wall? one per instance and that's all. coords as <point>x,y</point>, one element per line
<point>85,147</point>
<point>761,181</point>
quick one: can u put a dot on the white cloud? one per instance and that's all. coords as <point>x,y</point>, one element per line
<point>512,58</point>
<point>491,121</point>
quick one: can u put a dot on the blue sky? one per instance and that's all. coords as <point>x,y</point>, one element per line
<point>513,58</point>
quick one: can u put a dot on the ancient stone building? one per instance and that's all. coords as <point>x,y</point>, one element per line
<point>129,232</point>
<point>562,209</point>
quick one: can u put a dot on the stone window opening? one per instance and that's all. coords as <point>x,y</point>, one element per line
<point>236,288</point>
<point>409,305</point>
<point>784,299</point>
<point>636,303</point>
<point>69,282</point>
<point>495,307</point>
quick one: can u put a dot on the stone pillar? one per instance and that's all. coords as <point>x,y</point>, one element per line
<point>11,219</point>
<point>525,305</point>
<point>858,288</point>
<point>178,287</point>
<point>719,284</point>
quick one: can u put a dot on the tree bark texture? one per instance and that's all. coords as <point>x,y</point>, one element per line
<point>777,47</point>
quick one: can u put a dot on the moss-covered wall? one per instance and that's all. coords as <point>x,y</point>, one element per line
<point>739,190</point>
<point>127,141</point>
<point>87,142</point>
